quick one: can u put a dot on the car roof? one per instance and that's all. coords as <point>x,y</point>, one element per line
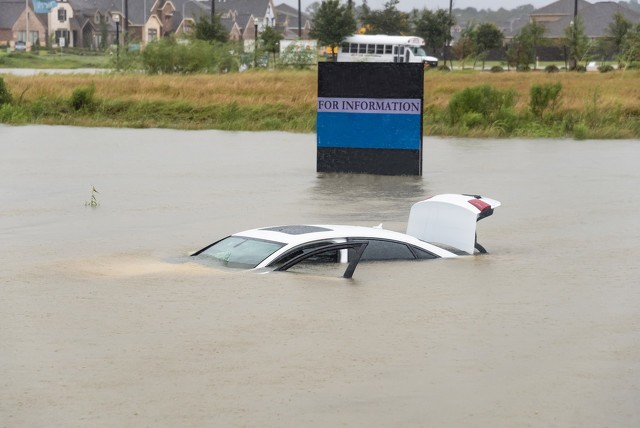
<point>293,235</point>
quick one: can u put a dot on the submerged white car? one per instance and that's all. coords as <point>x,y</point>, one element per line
<point>441,226</point>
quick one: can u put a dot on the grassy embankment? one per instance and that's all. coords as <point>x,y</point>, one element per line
<point>44,59</point>
<point>591,105</point>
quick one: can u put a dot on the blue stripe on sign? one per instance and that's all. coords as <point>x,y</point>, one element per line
<point>369,131</point>
<point>369,105</point>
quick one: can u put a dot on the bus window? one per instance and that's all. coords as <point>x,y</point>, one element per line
<point>418,52</point>
<point>345,47</point>
<point>353,48</point>
<point>362,48</point>
<point>371,49</point>
<point>379,49</point>
<point>407,54</point>
<point>387,49</point>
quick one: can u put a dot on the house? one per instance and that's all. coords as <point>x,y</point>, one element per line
<point>90,24</point>
<point>94,24</point>
<point>558,16</point>
<point>237,16</point>
<point>287,22</point>
<point>20,23</point>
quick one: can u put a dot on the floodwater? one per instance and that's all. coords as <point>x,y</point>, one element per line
<point>104,320</point>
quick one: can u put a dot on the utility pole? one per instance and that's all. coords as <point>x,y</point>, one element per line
<point>26,40</point>
<point>574,33</point>
<point>299,21</point>
<point>213,9</point>
<point>125,27</point>
<point>447,34</point>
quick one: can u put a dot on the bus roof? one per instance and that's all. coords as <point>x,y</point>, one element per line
<point>382,39</point>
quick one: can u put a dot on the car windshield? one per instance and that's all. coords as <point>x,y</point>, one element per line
<point>240,252</point>
<point>418,51</point>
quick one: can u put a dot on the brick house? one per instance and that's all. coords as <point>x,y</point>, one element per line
<point>90,24</point>
<point>14,26</point>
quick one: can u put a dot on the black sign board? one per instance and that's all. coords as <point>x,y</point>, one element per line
<point>370,118</point>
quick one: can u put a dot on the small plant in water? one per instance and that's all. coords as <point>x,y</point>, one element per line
<point>93,202</point>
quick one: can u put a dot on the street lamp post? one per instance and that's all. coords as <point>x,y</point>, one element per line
<point>255,43</point>
<point>116,19</point>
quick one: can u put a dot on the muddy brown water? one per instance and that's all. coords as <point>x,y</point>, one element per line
<point>104,321</point>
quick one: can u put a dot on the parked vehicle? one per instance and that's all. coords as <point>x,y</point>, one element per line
<point>443,226</point>
<point>383,48</point>
<point>20,46</point>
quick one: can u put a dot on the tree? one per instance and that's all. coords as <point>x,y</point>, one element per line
<point>388,20</point>
<point>271,40</point>
<point>535,33</point>
<point>312,8</point>
<point>488,36</point>
<point>616,31</point>
<point>104,34</point>
<point>522,50</point>
<point>331,24</point>
<point>362,12</point>
<point>211,30</point>
<point>576,42</point>
<point>631,45</point>
<point>434,28</point>
<point>466,44</point>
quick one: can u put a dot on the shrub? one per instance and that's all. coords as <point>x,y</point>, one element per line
<point>5,95</point>
<point>297,57</point>
<point>580,68</point>
<point>497,69</point>
<point>551,68</point>
<point>124,59</point>
<point>443,67</point>
<point>13,114</point>
<point>169,55</point>
<point>482,99</point>
<point>472,119</point>
<point>580,131</point>
<point>544,96</point>
<point>82,97</point>
<point>521,67</point>
<point>605,68</point>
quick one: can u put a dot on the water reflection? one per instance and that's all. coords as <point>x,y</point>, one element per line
<point>367,198</point>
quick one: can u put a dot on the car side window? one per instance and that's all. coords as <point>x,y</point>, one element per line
<point>379,249</point>
<point>332,256</point>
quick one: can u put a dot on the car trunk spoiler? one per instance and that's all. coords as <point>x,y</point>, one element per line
<point>450,219</point>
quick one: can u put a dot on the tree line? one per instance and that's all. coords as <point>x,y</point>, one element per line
<point>333,20</point>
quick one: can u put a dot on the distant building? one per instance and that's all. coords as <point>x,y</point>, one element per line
<point>94,24</point>
<point>21,24</point>
<point>557,16</point>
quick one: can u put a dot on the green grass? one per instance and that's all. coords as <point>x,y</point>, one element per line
<point>44,59</point>
<point>590,105</point>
